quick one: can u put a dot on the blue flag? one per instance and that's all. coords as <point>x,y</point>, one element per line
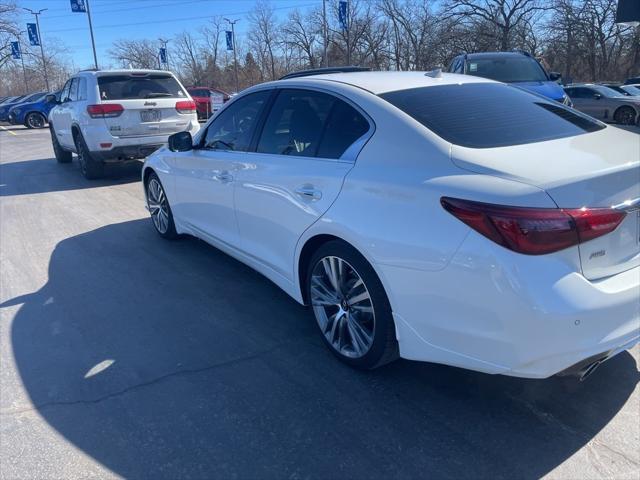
<point>78,6</point>
<point>15,50</point>
<point>163,55</point>
<point>32,30</point>
<point>343,15</point>
<point>229,40</point>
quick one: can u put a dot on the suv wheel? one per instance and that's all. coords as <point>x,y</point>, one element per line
<point>35,120</point>
<point>89,166</point>
<point>351,306</point>
<point>62,155</point>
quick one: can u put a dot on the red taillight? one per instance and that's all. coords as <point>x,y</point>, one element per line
<point>105,110</point>
<point>534,231</point>
<point>186,106</point>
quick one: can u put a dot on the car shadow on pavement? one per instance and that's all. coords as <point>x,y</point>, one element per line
<point>172,360</point>
<point>47,175</point>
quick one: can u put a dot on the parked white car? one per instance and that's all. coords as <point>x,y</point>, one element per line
<point>438,217</point>
<point>111,116</point>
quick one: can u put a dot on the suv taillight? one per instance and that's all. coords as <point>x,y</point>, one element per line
<point>534,231</point>
<point>186,106</point>
<point>105,110</point>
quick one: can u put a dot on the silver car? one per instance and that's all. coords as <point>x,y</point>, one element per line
<point>604,103</point>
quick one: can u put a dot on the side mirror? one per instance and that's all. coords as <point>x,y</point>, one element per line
<point>180,142</point>
<point>554,76</point>
<point>597,96</point>
<point>51,98</point>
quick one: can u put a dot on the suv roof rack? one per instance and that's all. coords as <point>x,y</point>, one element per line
<point>322,71</point>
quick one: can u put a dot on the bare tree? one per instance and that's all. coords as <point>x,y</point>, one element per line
<point>506,16</point>
<point>135,53</point>
<point>263,37</point>
<point>302,33</point>
<point>8,30</point>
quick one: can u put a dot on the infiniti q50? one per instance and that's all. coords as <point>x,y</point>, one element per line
<point>434,217</point>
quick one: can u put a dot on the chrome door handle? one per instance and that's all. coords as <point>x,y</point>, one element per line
<point>309,193</point>
<point>223,177</point>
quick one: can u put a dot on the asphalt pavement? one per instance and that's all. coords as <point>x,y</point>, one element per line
<point>125,355</point>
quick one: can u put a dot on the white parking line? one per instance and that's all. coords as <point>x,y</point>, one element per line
<point>7,130</point>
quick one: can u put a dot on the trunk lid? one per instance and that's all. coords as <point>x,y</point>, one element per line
<point>600,169</point>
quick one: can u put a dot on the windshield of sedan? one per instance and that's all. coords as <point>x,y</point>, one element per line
<point>607,92</point>
<point>507,69</point>
<point>631,90</point>
<point>488,115</point>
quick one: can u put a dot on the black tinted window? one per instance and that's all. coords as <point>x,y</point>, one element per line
<point>507,69</point>
<point>125,87</point>
<point>345,126</point>
<point>199,93</point>
<point>485,115</point>
<point>233,128</point>
<point>295,123</point>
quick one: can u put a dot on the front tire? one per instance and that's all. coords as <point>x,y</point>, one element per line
<point>62,155</point>
<point>159,208</point>
<point>625,116</point>
<point>35,120</point>
<point>351,307</point>
<point>89,166</point>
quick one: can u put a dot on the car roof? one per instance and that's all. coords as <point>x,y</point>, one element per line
<point>471,56</point>
<point>98,73</point>
<point>388,81</point>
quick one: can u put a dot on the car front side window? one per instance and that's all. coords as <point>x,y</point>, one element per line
<point>233,128</point>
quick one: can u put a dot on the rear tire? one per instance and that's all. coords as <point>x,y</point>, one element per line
<point>35,120</point>
<point>350,306</point>
<point>89,166</point>
<point>625,116</point>
<point>159,208</point>
<point>62,155</point>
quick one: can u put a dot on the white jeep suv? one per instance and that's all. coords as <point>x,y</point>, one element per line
<point>110,116</point>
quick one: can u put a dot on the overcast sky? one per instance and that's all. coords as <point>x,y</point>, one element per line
<point>137,19</point>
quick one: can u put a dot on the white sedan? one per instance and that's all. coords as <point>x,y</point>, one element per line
<point>435,217</point>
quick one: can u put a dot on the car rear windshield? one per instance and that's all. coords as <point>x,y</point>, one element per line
<point>127,87</point>
<point>507,69</point>
<point>487,115</point>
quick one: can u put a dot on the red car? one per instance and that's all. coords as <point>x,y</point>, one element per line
<point>208,100</point>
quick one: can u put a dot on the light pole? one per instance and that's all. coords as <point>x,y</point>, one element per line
<point>325,31</point>
<point>44,62</point>
<point>93,42</point>
<point>166,52</point>
<point>24,71</point>
<point>235,57</point>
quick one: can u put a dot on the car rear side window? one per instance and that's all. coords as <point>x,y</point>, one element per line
<point>138,86</point>
<point>308,123</point>
<point>487,115</point>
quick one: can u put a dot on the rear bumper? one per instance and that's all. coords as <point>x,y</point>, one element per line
<point>123,154</point>
<point>495,311</point>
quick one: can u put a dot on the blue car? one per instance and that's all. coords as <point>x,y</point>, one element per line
<point>517,68</point>
<point>32,114</point>
<point>5,107</point>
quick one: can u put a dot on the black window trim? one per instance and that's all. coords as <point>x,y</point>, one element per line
<point>350,155</point>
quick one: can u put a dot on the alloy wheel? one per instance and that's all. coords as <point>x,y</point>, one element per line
<point>35,120</point>
<point>158,206</point>
<point>342,306</point>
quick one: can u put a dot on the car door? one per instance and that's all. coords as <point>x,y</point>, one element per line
<point>205,176</point>
<point>308,143</point>
<point>587,101</point>
<point>61,117</point>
